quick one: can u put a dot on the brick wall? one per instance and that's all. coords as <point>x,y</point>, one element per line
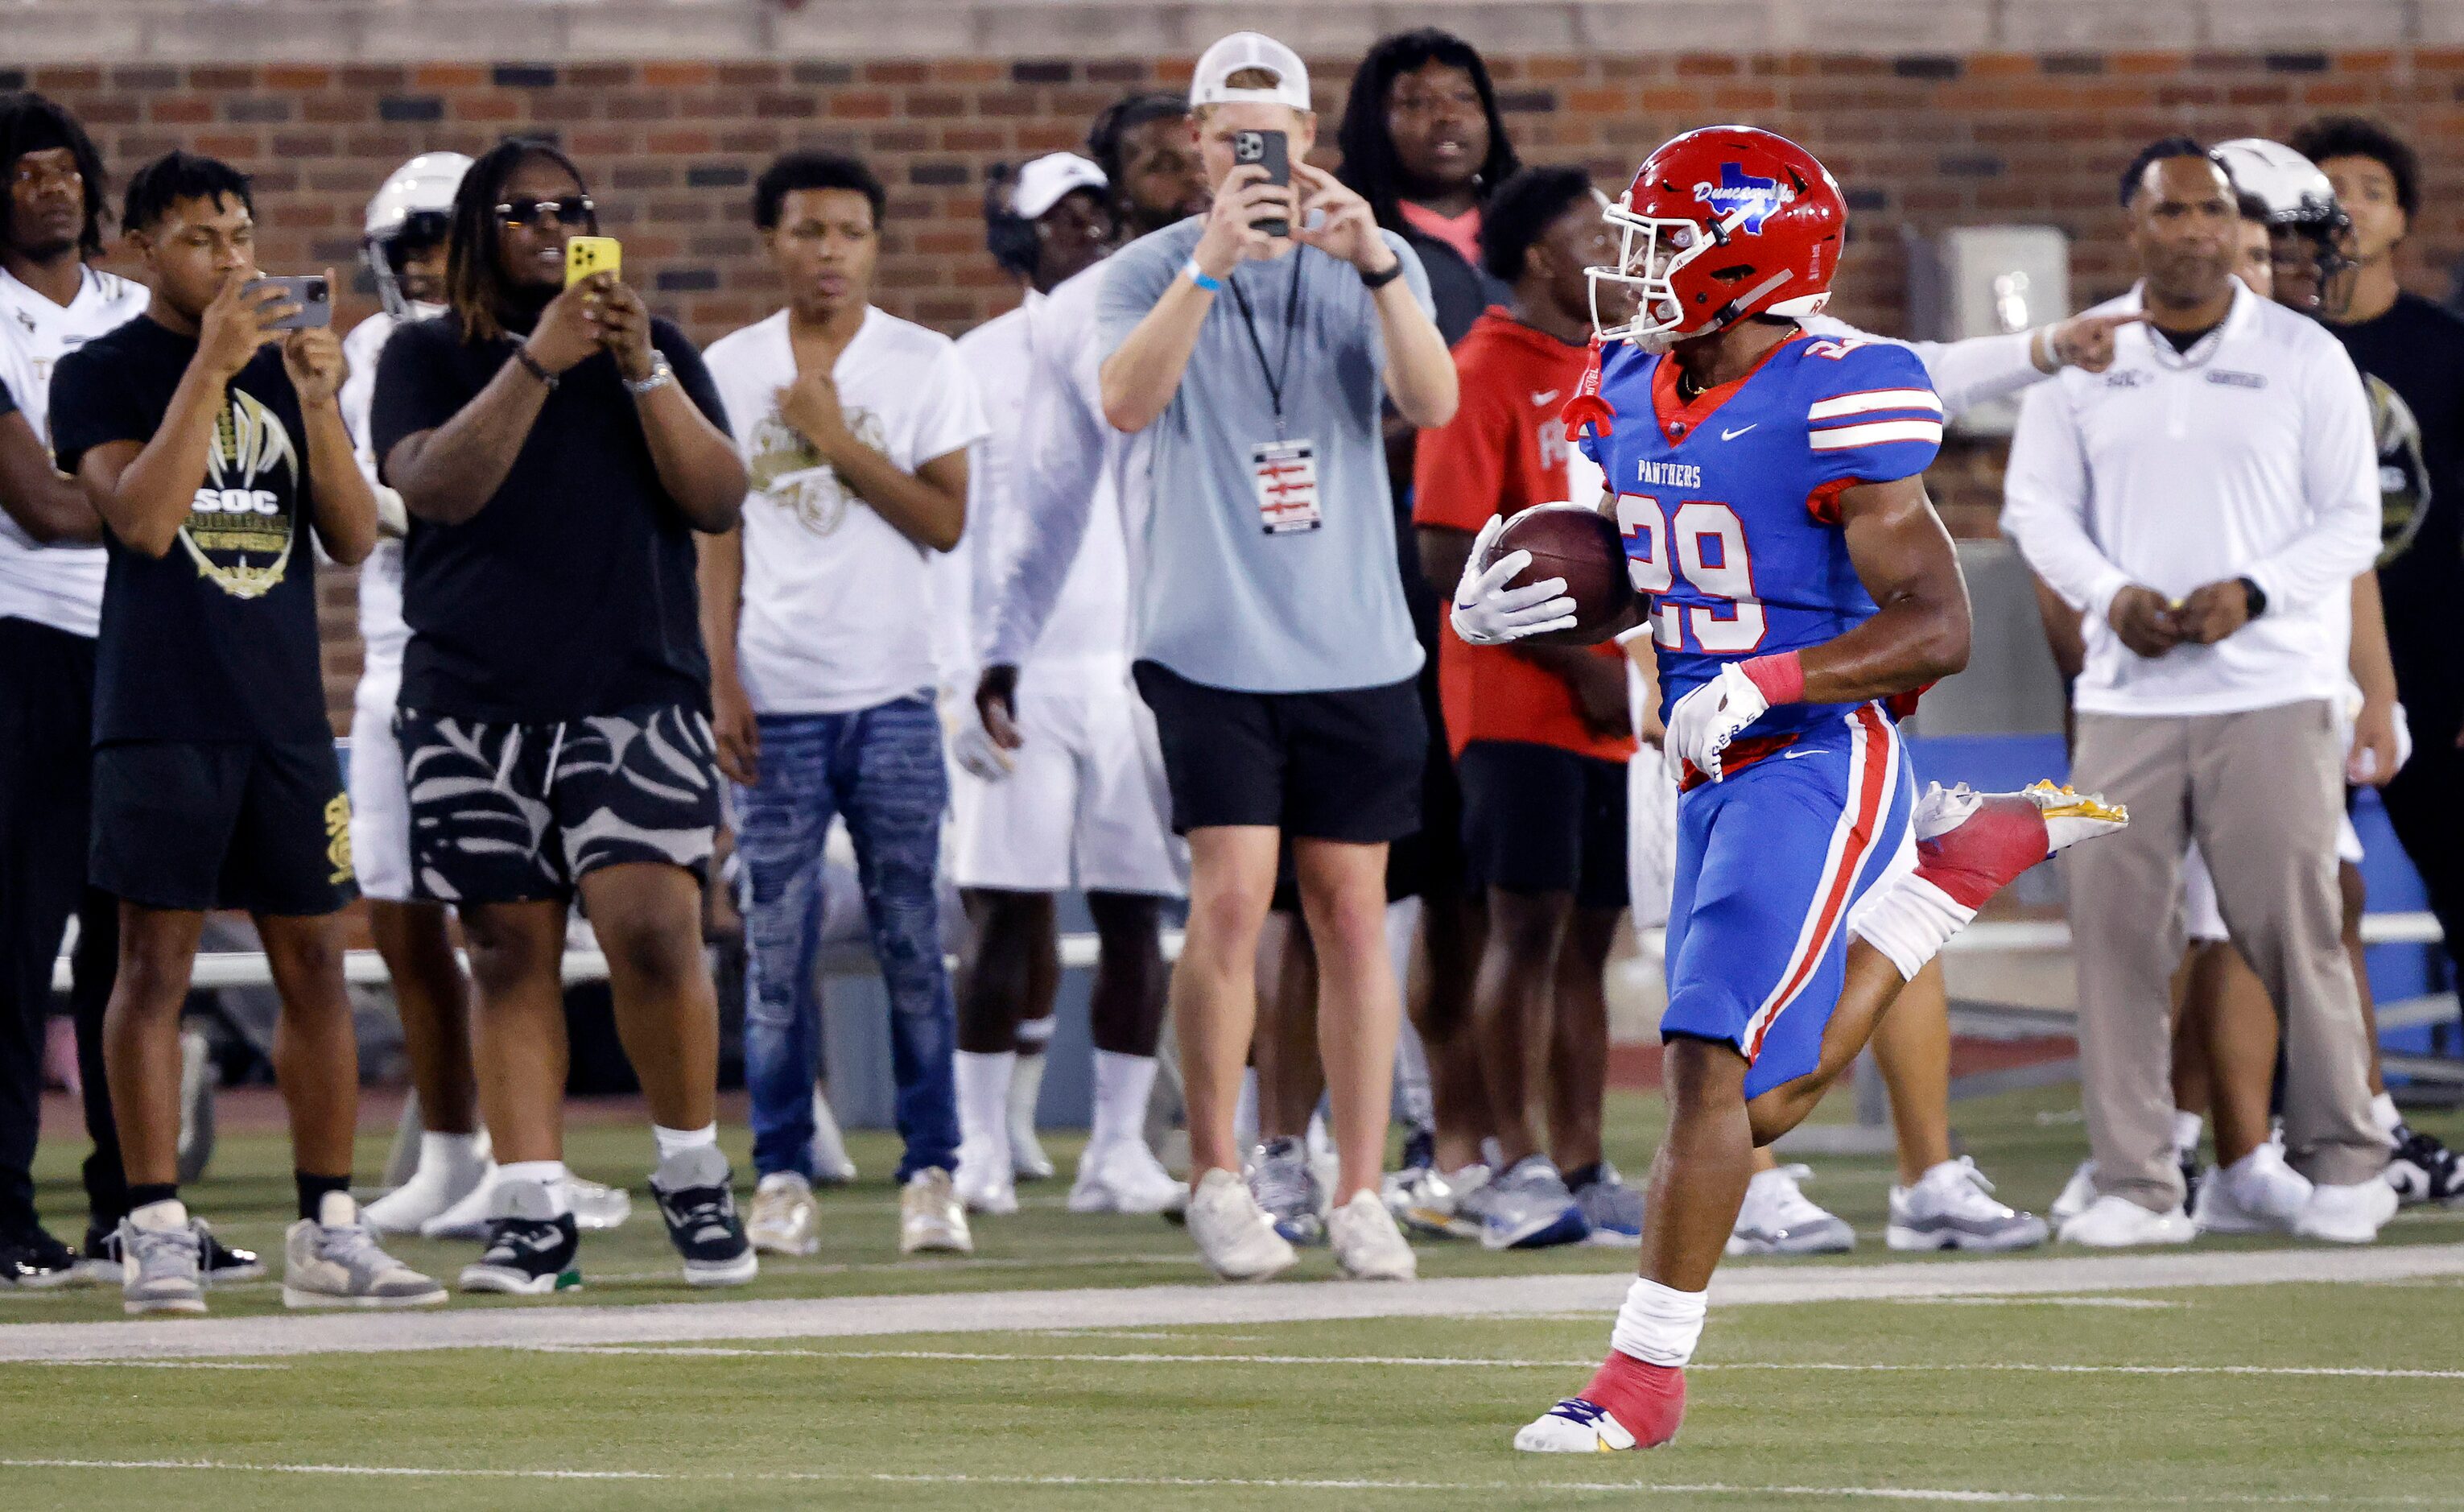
<point>1920,141</point>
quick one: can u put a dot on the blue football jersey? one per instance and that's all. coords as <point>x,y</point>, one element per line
<point>1729,505</point>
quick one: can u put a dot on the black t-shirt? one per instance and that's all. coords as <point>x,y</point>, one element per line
<point>2417,349</point>
<point>571,591</point>
<point>216,638</point>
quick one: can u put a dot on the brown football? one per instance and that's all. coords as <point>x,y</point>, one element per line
<point>1580,545</point>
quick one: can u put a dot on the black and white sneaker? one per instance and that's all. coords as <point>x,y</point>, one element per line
<point>531,1246</point>
<point>225,1263</point>
<point>699,1206</point>
<point>34,1261</point>
<point>2422,1169</point>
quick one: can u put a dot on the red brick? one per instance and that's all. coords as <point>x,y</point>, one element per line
<point>871,105</point>
<point>448,76</point>
<point>297,75</point>
<point>678,75</point>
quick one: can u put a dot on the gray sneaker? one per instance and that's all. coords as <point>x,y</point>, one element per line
<point>1778,1218</point>
<point>1950,1207</point>
<point>1612,1208</point>
<point>1529,1208</point>
<point>332,1261</point>
<point>1284,1186</point>
<point>161,1269</point>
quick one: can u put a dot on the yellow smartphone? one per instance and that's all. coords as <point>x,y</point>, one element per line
<point>585,256</point>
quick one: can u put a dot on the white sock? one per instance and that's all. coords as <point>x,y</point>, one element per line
<point>1026,1089</point>
<point>1910,921</point>
<point>1245,1112</point>
<point>2383,1113</point>
<point>1033,1035</point>
<point>1122,1085</point>
<point>1659,1324</point>
<point>675,1142</point>
<point>984,1095</point>
<point>453,1153</point>
<point>2186,1129</point>
<point>168,1214</point>
<point>548,1173</point>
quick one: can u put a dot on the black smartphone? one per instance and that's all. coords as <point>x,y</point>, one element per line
<point>316,301</point>
<point>1270,150</point>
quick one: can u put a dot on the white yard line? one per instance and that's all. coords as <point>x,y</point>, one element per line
<point>1163,1306</point>
<point>1535,1483</point>
<point>1491,1362</point>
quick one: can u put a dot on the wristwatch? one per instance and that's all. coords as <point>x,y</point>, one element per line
<point>2255,596</point>
<point>660,374</point>
<point>1384,276</point>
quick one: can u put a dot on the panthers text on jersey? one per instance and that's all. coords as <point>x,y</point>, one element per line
<point>1729,505</point>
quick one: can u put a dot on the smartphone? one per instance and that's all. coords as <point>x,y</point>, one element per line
<point>1270,150</point>
<point>309,292</point>
<point>585,256</point>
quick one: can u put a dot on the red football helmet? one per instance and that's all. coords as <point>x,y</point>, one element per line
<point>1720,224</point>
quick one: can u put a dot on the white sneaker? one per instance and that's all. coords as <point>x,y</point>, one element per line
<point>1573,1427</point>
<point>2118,1223</point>
<point>930,1218</point>
<point>1125,1177</point>
<point>985,1181</point>
<point>597,1206</point>
<point>332,1261</point>
<point>2258,1193</point>
<point>434,1187</point>
<point>786,1220</point>
<point>2078,1194</point>
<point>1234,1235</point>
<point>1368,1247</point>
<point>2346,1214</point>
<point>1778,1218</point>
<point>1950,1207</point>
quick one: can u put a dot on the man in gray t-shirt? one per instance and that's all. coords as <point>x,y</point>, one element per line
<point>1230,598</point>
<point>1258,344</point>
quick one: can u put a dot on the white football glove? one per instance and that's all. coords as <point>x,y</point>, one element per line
<point>1702,724</point>
<point>1486,612</point>
<point>972,748</point>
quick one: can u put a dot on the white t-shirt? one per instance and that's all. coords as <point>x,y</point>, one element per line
<point>2249,455</point>
<point>56,585</point>
<point>381,624</point>
<point>1035,350</point>
<point>837,609</point>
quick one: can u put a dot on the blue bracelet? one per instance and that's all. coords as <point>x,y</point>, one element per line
<point>1198,276</point>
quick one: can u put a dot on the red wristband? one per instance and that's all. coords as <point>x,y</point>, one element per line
<point>1781,676</point>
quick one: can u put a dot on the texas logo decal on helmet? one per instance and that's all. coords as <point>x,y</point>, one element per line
<point>1718,224</point>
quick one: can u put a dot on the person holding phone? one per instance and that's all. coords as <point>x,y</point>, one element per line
<point>211,443</point>
<point>1275,647</point>
<point>556,448</point>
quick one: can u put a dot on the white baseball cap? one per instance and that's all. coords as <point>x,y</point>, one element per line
<point>1250,50</point>
<point>1044,183</point>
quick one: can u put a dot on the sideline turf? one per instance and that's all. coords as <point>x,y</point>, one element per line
<point>723,1429</point>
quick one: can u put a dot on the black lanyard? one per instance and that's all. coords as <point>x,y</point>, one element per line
<point>1276,374</point>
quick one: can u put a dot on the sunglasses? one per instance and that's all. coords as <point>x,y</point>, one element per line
<point>573,209</point>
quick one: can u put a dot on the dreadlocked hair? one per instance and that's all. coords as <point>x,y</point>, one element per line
<point>32,122</point>
<point>1371,167</point>
<point>1122,117</point>
<point>475,287</point>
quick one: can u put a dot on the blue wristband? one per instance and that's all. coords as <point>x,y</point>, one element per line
<point>1198,277</point>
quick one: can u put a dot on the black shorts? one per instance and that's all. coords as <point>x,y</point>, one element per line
<point>509,814</point>
<point>1541,819</point>
<point>1338,766</point>
<point>222,824</point>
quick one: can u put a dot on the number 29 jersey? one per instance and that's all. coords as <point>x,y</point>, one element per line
<point>1729,505</point>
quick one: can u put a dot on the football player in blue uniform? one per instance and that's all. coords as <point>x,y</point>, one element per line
<point>1800,590</point>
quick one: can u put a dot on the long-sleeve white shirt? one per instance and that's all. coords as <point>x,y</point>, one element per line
<point>2249,455</point>
<point>1058,572</point>
<point>1965,373</point>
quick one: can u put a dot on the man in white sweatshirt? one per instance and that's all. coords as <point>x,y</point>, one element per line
<point>2205,504</point>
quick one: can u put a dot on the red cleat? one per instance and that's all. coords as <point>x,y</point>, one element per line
<point>1972,845</point>
<point>1629,1403</point>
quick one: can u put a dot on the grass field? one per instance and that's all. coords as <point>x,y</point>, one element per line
<point>2116,1389</point>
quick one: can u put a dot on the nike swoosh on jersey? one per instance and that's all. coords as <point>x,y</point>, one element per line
<point>1731,436</point>
<point>1795,751</point>
<point>1545,397</point>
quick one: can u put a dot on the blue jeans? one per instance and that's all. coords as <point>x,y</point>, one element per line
<point>882,768</point>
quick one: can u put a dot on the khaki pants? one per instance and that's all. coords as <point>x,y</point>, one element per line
<point>2260,791</point>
